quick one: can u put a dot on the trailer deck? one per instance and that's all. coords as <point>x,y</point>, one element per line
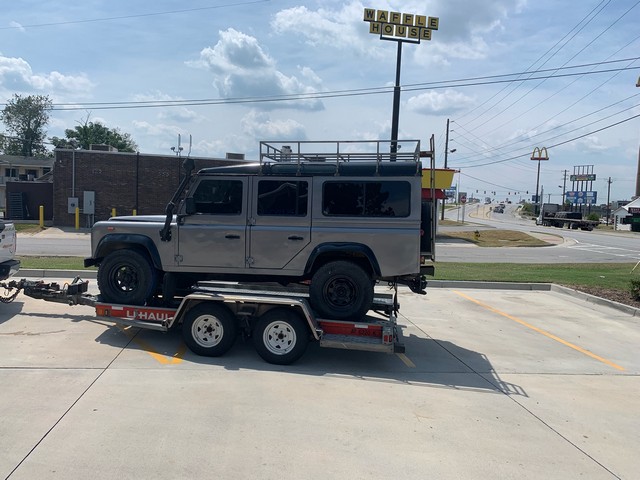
<point>214,311</point>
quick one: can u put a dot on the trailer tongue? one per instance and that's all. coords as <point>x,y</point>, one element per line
<point>279,320</point>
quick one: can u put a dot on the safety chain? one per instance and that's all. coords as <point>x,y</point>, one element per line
<point>8,296</point>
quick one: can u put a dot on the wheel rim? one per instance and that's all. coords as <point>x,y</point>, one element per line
<point>279,338</point>
<point>125,278</point>
<point>207,331</point>
<point>340,292</point>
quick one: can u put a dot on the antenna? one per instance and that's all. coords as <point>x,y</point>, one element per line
<point>190,144</point>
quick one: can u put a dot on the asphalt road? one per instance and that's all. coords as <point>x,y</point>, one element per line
<point>569,246</point>
<point>493,384</point>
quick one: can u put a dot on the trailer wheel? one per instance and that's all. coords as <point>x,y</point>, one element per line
<point>209,329</point>
<point>281,336</point>
<point>341,290</point>
<point>126,276</point>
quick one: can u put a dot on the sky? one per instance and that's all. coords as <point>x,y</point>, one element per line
<point>509,75</point>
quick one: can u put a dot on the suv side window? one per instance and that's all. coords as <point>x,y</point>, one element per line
<point>367,199</point>
<point>219,197</point>
<point>282,198</point>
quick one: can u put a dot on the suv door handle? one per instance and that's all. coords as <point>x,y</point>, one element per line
<point>295,237</point>
<point>232,236</point>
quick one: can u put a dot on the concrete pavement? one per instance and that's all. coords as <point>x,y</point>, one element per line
<point>494,384</point>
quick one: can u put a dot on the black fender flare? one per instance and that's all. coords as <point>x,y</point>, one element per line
<point>117,241</point>
<point>342,250</point>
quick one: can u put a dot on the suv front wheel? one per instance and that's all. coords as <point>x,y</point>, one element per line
<point>127,277</point>
<point>341,290</point>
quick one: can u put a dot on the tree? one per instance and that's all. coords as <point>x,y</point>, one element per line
<point>87,133</point>
<point>26,119</point>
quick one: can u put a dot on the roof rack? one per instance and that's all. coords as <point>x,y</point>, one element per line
<point>340,151</point>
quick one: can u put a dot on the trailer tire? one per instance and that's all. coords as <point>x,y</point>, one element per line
<point>127,277</point>
<point>281,336</point>
<point>341,290</point>
<point>209,329</point>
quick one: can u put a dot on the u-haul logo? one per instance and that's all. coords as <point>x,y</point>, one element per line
<point>149,315</point>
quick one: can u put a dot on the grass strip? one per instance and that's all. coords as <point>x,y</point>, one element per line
<point>605,275</point>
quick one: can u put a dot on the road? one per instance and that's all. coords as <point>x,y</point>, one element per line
<point>578,246</point>
<point>57,242</point>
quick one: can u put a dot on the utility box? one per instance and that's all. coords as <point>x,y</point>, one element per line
<point>89,203</point>
<point>72,204</point>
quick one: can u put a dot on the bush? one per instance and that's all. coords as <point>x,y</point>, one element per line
<point>527,209</point>
<point>593,216</point>
<point>635,288</point>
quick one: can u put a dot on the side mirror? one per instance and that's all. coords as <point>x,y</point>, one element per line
<point>190,206</point>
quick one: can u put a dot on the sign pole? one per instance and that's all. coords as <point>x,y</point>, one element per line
<point>539,154</point>
<point>396,104</point>
<point>399,27</point>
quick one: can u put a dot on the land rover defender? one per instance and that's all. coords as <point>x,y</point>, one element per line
<point>333,215</point>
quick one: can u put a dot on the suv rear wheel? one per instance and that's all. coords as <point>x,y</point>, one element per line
<point>127,277</point>
<point>341,290</point>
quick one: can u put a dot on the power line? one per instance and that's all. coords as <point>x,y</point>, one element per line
<point>301,96</point>
<point>539,59</point>
<point>569,60</point>
<point>470,159</point>
<point>557,144</point>
<point>139,15</point>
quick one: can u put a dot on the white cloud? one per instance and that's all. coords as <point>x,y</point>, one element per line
<point>159,129</point>
<point>462,34</point>
<point>242,68</point>
<point>260,126</point>
<point>17,26</point>
<point>16,75</point>
<point>591,143</point>
<point>435,102</point>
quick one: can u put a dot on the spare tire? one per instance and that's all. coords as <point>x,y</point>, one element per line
<point>127,277</point>
<point>341,290</point>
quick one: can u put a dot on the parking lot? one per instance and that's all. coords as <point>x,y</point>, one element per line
<point>493,384</point>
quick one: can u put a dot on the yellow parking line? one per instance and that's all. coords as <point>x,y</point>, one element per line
<point>543,332</point>
<point>406,360</point>
<point>160,358</point>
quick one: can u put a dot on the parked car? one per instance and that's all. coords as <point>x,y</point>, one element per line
<point>9,265</point>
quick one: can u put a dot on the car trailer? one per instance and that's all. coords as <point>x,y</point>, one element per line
<point>278,319</point>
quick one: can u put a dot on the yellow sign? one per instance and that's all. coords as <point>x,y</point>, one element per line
<point>398,26</point>
<point>540,154</point>
<point>442,178</point>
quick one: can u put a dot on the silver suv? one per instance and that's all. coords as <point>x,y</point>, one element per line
<point>338,220</point>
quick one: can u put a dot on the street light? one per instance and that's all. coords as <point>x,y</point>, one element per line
<point>538,155</point>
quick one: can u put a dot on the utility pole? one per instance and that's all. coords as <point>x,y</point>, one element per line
<point>638,174</point>
<point>446,156</point>
<point>564,185</point>
<point>608,200</point>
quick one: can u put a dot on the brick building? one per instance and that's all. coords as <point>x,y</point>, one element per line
<point>126,182</point>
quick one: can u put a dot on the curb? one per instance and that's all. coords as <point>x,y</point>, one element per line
<point>35,273</point>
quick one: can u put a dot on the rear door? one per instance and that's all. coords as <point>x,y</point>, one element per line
<point>280,220</point>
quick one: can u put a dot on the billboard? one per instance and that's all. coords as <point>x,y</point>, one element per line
<point>586,197</point>
<point>586,177</point>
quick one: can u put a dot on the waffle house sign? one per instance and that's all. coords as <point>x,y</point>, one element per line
<point>402,27</point>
